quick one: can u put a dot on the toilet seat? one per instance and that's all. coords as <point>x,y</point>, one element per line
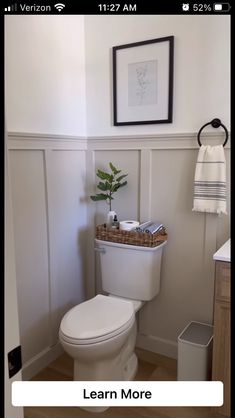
<point>96,320</point>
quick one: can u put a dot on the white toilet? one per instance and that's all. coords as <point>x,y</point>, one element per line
<point>100,334</point>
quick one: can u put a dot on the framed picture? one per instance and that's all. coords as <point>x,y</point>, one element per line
<point>143,82</point>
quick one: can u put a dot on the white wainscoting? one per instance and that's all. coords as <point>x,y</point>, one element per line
<point>160,186</point>
<point>49,196</point>
<point>55,203</point>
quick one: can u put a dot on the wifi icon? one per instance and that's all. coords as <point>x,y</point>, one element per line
<point>59,6</point>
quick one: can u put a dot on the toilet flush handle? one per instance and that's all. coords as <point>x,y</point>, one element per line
<point>100,250</point>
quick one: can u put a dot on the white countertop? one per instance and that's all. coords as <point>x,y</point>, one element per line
<point>223,253</point>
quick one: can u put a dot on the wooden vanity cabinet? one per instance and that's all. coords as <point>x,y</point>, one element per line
<point>221,368</point>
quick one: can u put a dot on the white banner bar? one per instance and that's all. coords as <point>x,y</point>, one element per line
<point>118,393</point>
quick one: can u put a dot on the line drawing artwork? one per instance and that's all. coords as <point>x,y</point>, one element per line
<point>142,83</point>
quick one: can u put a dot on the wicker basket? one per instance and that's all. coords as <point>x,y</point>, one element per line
<point>142,239</point>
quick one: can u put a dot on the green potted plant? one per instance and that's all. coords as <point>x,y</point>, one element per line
<point>109,183</point>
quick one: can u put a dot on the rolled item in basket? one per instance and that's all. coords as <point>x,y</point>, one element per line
<point>128,225</point>
<point>144,225</point>
<point>155,227</point>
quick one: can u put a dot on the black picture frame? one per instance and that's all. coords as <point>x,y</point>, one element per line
<point>143,82</point>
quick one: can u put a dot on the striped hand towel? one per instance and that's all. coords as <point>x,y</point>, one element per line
<point>210,180</point>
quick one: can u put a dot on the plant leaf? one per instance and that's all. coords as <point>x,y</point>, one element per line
<point>104,176</point>
<point>99,196</point>
<point>123,184</point>
<point>114,169</point>
<point>121,177</point>
<point>115,187</point>
<point>103,186</point>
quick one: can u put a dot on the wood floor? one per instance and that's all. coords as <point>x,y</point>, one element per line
<point>151,367</point>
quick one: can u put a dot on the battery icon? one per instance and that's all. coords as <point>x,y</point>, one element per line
<point>221,7</point>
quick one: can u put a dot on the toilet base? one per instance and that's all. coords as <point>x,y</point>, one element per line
<point>108,370</point>
<point>109,360</point>
<point>130,370</point>
<point>123,367</point>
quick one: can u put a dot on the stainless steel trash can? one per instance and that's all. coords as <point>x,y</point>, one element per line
<point>195,352</point>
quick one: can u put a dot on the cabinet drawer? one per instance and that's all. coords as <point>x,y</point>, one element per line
<point>222,290</point>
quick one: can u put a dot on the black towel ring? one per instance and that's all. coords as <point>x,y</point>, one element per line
<point>216,123</point>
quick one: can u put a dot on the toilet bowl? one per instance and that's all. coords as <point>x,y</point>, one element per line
<point>100,336</point>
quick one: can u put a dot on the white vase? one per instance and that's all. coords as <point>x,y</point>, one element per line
<point>110,216</point>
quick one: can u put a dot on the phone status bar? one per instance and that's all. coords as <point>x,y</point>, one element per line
<point>119,7</point>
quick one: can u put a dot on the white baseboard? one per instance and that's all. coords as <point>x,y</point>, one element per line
<point>39,362</point>
<point>157,345</point>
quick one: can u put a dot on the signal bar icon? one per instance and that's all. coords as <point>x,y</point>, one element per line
<point>12,8</point>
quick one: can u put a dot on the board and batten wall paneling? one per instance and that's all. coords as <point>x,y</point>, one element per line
<point>31,250</point>
<point>49,194</point>
<point>187,275</point>
<point>52,192</point>
<point>187,282</point>
<point>160,187</point>
<point>11,314</point>
<point>68,223</point>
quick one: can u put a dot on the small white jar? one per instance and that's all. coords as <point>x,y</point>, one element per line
<point>110,217</point>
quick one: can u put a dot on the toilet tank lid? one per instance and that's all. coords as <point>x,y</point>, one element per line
<point>99,316</point>
<point>132,247</point>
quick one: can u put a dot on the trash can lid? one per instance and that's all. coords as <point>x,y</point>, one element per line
<point>197,333</point>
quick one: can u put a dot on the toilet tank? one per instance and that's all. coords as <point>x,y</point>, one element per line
<point>130,271</point>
